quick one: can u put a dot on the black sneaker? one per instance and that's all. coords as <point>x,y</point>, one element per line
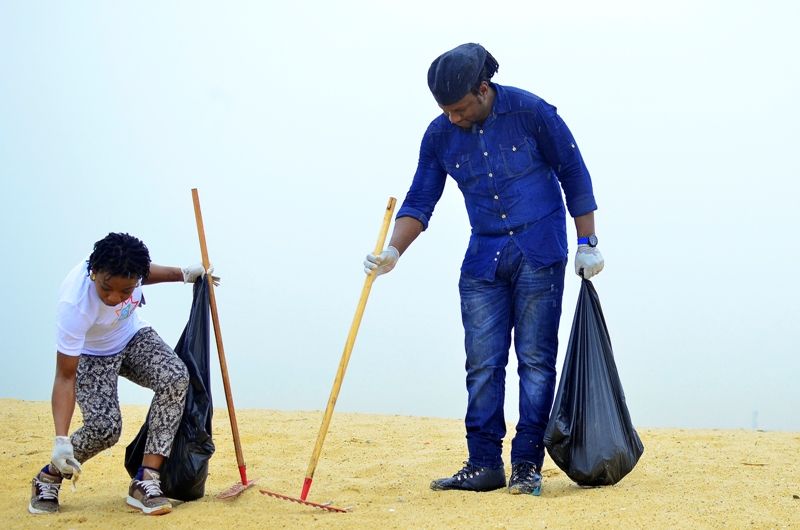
<point>525,478</point>
<point>44,493</point>
<point>473,478</point>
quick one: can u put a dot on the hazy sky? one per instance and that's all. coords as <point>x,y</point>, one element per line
<point>297,120</point>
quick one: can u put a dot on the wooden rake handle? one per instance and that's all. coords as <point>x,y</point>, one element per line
<point>201,233</point>
<point>348,349</point>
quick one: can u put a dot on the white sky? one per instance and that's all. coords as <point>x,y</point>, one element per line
<point>298,120</point>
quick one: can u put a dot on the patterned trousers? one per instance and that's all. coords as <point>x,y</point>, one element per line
<point>147,361</point>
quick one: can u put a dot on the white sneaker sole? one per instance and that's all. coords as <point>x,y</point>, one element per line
<point>155,510</point>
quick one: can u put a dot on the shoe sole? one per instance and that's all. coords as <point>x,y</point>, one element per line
<point>436,487</point>
<point>535,491</point>
<point>157,510</point>
<point>37,511</point>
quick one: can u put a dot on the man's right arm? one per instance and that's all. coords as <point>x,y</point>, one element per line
<point>406,230</point>
<point>63,398</point>
<point>412,219</point>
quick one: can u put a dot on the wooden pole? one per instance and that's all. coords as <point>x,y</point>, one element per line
<point>218,335</point>
<point>348,349</point>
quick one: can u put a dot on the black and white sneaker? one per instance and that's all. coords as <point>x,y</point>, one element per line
<point>44,493</point>
<point>473,478</point>
<point>525,478</point>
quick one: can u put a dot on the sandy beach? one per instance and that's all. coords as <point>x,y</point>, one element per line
<point>380,467</point>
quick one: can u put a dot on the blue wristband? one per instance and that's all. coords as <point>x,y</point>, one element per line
<point>590,240</point>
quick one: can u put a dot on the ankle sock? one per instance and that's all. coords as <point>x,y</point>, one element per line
<point>54,472</point>
<point>140,473</point>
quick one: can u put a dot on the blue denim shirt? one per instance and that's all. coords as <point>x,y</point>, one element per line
<point>509,170</point>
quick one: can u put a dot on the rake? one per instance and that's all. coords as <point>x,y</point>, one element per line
<point>236,489</point>
<point>337,382</point>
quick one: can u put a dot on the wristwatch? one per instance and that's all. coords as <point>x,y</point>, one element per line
<point>590,240</point>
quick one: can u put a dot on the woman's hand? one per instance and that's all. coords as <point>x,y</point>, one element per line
<point>191,273</point>
<point>64,459</point>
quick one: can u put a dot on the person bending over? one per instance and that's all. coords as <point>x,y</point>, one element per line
<point>100,337</point>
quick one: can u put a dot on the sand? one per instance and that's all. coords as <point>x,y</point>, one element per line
<point>380,468</point>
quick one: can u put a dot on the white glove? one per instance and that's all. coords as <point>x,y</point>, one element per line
<point>191,273</point>
<point>589,261</point>
<point>382,263</point>
<point>64,458</point>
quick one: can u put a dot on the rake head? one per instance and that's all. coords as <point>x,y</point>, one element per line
<point>235,490</point>
<point>326,506</point>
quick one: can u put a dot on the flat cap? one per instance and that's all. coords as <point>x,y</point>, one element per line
<point>454,73</point>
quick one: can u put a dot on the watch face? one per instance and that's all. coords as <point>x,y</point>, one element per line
<point>592,240</point>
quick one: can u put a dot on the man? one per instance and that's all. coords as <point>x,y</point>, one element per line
<point>511,155</point>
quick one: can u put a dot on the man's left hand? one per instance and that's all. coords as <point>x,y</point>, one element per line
<point>588,261</point>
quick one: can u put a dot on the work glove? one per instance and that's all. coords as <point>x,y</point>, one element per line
<point>191,273</point>
<point>63,459</point>
<point>382,263</point>
<point>588,261</point>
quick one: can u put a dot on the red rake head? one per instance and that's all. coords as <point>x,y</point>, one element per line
<point>326,506</point>
<point>235,490</point>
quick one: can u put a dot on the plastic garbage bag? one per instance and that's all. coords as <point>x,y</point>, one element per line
<point>590,435</point>
<point>184,473</point>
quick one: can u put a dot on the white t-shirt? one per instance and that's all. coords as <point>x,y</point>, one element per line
<point>86,325</point>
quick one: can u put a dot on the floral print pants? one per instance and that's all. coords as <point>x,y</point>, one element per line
<point>147,361</point>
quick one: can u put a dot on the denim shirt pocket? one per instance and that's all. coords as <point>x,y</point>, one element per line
<point>518,156</point>
<point>459,167</point>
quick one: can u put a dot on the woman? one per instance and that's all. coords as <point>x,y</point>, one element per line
<point>100,337</point>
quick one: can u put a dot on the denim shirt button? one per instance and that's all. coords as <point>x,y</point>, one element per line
<point>498,252</point>
<point>496,197</point>
<point>511,232</point>
<point>495,259</point>
<point>491,175</point>
<point>503,216</point>
<point>485,153</point>
<point>513,147</point>
<point>458,165</point>
<point>481,131</point>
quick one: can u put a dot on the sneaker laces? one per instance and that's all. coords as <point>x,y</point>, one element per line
<point>524,471</point>
<point>151,487</point>
<point>47,491</point>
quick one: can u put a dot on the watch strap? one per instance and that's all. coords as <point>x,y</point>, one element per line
<point>590,240</point>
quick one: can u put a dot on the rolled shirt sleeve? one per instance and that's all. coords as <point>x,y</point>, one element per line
<point>428,184</point>
<point>561,152</point>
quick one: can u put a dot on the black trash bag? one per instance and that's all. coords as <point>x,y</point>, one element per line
<point>590,435</point>
<point>184,473</point>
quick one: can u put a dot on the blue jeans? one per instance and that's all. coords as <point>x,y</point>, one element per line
<point>528,301</point>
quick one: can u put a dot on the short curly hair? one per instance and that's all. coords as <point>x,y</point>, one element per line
<point>120,254</point>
